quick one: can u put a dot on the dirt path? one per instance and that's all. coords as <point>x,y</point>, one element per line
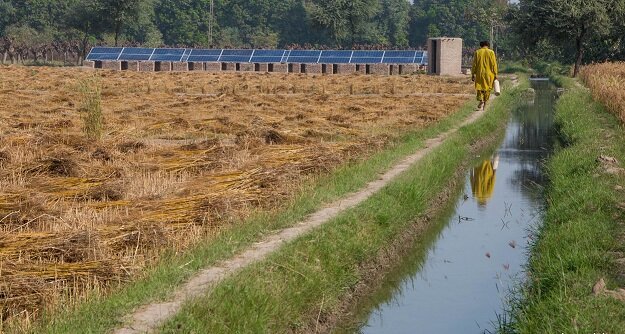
<point>150,316</point>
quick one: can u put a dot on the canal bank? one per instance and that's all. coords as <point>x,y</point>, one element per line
<point>577,262</point>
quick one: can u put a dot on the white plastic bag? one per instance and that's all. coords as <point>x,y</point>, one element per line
<point>497,88</point>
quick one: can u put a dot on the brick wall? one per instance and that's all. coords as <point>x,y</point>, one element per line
<point>379,69</point>
<point>112,65</point>
<point>261,67</point>
<point>179,66</point>
<point>162,66</point>
<point>346,68</point>
<point>280,68</point>
<point>146,66</point>
<point>130,66</point>
<point>294,67</point>
<point>196,66</point>
<point>228,66</point>
<point>361,68</point>
<point>88,63</point>
<point>212,67</point>
<point>408,69</point>
<point>313,68</point>
<point>448,60</point>
<point>246,67</point>
<point>451,56</point>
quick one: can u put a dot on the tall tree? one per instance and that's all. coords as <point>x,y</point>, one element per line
<point>563,22</point>
<point>394,19</point>
<point>116,13</point>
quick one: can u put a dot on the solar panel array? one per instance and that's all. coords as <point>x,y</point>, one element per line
<point>260,56</point>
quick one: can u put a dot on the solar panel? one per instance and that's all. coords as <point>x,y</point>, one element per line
<point>178,52</point>
<point>234,59</point>
<point>366,60</point>
<point>305,53</point>
<point>334,60</point>
<point>306,60</point>
<point>144,57</point>
<point>266,59</point>
<point>166,57</point>
<point>260,56</point>
<point>269,53</point>
<point>336,54</point>
<point>247,53</point>
<point>106,50</point>
<point>203,58</point>
<point>103,56</point>
<point>368,54</point>
<point>137,51</point>
<point>205,52</point>
<point>399,54</point>
<point>398,60</point>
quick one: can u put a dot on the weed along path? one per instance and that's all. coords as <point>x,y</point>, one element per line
<point>149,317</point>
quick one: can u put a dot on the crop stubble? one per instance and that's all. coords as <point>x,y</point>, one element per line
<point>182,156</point>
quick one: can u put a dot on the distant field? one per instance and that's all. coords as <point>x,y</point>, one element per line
<point>607,83</point>
<point>181,155</point>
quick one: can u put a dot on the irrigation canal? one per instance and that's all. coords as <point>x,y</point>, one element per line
<point>460,279</point>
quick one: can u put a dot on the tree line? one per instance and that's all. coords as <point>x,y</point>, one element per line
<point>39,29</point>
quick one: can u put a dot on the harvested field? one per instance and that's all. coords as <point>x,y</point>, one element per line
<point>607,83</point>
<point>179,156</point>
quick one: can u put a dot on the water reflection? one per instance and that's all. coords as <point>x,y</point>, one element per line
<point>483,180</point>
<point>458,277</point>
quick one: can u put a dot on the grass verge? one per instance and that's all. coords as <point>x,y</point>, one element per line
<point>100,313</point>
<point>298,287</point>
<point>582,233</point>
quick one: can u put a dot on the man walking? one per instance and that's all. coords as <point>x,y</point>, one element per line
<point>484,73</point>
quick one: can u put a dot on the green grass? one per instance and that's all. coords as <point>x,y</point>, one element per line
<point>581,227</point>
<point>309,277</point>
<point>103,312</point>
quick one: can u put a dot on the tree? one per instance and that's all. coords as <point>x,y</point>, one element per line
<point>344,20</point>
<point>116,13</point>
<point>394,19</point>
<point>563,22</point>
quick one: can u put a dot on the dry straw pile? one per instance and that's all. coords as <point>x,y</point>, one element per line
<point>102,171</point>
<point>607,83</point>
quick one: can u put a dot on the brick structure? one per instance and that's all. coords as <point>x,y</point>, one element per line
<point>180,66</point>
<point>246,67</point>
<point>112,65</point>
<point>228,66</point>
<point>130,66</point>
<point>162,66</point>
<point>345,68</point>
<point>393,69</point>
<point>146,66</point>
<point>212,67</point>
<point>295,68</point>
<point>361,68</point>
<point>408,68</point>
<point>88,63</point>
<point>379,69</point>
<point>261,67</point>
<point>279,68</point>
<point>445,56</point>
<point>196,66</point>
<point>312,68</point>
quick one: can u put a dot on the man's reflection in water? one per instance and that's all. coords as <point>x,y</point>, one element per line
<point>483,180</point>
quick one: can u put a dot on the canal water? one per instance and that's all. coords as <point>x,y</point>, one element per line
<point>459,280</point>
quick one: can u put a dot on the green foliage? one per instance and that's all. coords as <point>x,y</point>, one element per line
<point>251,23</point>
<point>579,25</point>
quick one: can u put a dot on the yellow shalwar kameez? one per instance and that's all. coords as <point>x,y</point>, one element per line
<point>485,70</point>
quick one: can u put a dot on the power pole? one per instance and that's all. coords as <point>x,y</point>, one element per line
<point>211,19</point>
